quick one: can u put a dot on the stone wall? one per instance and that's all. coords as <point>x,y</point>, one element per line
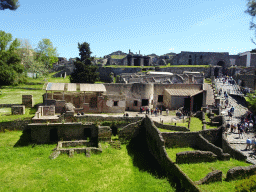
<point>104,72</point>
<point>156,146</point>
<point>170,127</point>
<point>187,157</point>
<point>14,125</point>
<point>236,154</point>
<point>18,110</point>
<point>53,132</point>
<point>104,133</point>
<point>180,70</point>
<point>27,100</point>
<point>240,172</point>
<point>129,131</point>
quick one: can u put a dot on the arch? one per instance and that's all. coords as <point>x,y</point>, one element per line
<point>223,65</point>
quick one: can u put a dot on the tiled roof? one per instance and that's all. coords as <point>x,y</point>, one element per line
<point>183,92</point>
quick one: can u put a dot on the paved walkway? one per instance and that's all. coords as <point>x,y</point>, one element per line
<point>240,110</point>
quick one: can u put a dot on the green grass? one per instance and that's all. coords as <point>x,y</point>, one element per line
<point>197,171</point>
<point>171,152</point>
<point>6,116</point>
<point>30,169</point>
<point>169,65</point>
<point>185,124</point>
<point>14,96</point>
<point>196,125</point>
<point>165,130</point>
<point>118,56</point>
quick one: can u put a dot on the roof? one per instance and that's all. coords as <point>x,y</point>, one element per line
<point>55,87</point>
<point>159,73</point>
<point>93,87</point>
<point>183,92</point>
<point>72,87</point>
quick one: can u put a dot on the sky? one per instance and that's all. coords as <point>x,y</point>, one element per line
<point>148,26</point>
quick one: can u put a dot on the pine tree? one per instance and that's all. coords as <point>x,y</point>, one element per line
<point>85,71</point>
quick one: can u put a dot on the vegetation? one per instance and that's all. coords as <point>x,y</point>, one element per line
<point>11,69</point>
<point>9,4</point>
<point>46,53</point>
<point>251,101</point>
<point>118,56</point>
<point>208,80</point>
<point>248,184</point>
<point>85,71</point>
<point>29,168</point>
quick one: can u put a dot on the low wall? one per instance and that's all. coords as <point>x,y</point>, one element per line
<point>14,125</point>
<point>236,154</point>
<point>156,146</point>
<point>170,127</point>
<point>187,157</point>
<point>205,145</point>
<point>129,131</point>
<point>8,105</point>
<point>240,172</point>
<point>88,118</point>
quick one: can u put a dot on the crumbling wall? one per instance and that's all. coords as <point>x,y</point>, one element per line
<point>156,146</point>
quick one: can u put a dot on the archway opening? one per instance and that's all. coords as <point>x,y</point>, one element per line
<point>224,69</point>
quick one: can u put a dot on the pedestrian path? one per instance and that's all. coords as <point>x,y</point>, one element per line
<point>233,138</point>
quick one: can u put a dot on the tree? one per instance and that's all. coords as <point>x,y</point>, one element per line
<point>9,4</point>
<point>46,53</point>
<point>11,69</point>
<point>85,71</point>
<point>29,58</point>
<point>251,10</point>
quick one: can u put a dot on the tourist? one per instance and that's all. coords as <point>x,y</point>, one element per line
<point>240,130</point>
<point>253,144</point>
<point>152,111</point>
<point>248,143</point>
<point>167,112</point>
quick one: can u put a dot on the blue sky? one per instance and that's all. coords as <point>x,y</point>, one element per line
<point>149,26</point>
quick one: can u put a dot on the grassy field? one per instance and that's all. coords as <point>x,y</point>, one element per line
<point>30,169</point>
<point>197,171</point>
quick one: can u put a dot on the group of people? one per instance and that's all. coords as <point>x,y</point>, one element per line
<point>156,111</point>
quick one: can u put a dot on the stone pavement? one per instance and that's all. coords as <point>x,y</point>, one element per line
<point>240,110</point>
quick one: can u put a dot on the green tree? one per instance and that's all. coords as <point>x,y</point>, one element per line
<point>251,10</point>
<point>85,71</point>
<point>9,4</point>
<point>11,69</point>
<point>46,53</point>
<point>29,58</point>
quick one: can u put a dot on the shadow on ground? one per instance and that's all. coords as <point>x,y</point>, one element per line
<point>25,139</point>
<point>142,158</point>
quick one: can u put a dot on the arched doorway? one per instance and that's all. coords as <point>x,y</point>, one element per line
<point>224,69</point>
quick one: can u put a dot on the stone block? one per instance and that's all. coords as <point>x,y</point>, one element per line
<point>214,176</point>
<point>54,155</point>
<point>18,109</point>
<point>27,100</point>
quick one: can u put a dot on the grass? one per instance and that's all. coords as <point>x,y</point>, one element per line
<point>30,169</point>
<point>196,125</point>
<point>5,115</point>
<point>197,171</point>
<point>165,130</point>
<point>118,56</point>
<point>169,65</point>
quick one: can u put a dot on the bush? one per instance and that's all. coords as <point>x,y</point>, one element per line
<point>248,184</point>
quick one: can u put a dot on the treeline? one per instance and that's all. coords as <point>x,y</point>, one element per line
<point>17,57</point>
